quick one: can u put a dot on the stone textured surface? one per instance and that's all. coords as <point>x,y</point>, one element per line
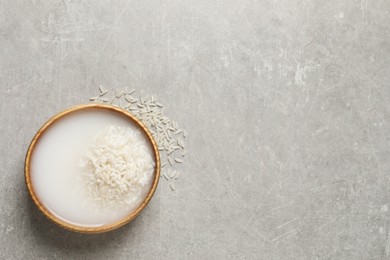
<point>286,103</point>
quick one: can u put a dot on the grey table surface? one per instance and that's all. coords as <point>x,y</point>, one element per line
<point>286,103</point>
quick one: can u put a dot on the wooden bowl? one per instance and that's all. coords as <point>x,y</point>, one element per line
<point>104,228</point>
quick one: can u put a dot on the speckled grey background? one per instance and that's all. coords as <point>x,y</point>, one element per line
<point>287,106</point>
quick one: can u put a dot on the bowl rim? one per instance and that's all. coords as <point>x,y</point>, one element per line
<point>104,228</point>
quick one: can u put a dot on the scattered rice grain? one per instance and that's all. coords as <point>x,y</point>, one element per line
<point>172,174</point>
<point>118,94</point>
<point>102,89</point>
<point>170,161</point>
<point>179,142</point>
<point>178,160</point>
<point>128,98</point>
<point>177,175</point>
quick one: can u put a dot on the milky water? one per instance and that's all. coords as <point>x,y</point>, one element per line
<point>55,173</point>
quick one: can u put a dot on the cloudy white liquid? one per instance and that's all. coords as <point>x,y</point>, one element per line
<point>55,174</point>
